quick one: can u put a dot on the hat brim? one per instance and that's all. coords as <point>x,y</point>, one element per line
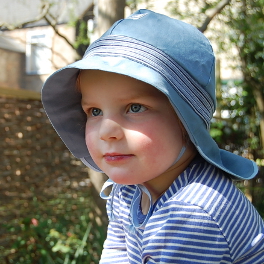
<point>62,102</point>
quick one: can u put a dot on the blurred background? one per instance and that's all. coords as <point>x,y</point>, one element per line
<point>50,209</point>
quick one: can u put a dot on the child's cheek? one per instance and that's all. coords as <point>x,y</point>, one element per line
<point>90,141</point>
<point>146,144</point>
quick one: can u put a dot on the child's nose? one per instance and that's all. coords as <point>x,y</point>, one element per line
<point>110,130</point>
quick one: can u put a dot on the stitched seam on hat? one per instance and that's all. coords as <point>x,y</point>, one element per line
<point>212,67</point>
<point>114,26</point>
<point>181,81</point>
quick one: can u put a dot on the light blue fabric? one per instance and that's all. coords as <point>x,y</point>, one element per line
<point>156,59</point>
<point>202,218</point>
<point>174,57</point>
<point>135,223</point>
<point>182,151</point>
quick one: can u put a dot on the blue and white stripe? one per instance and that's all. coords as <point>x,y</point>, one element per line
<point>202,218</point>
<point>179,79</point>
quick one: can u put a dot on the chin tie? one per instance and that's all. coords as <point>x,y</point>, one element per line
<point>135,204</point>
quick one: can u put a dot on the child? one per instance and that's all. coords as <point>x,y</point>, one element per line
<point>138,107</point>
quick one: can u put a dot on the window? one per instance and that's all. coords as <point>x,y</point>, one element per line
<point>38,53</point>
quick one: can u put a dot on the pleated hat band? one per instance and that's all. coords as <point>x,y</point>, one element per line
<point>180,80</point>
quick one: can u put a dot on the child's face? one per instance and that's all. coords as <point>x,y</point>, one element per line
<point>132,132</point>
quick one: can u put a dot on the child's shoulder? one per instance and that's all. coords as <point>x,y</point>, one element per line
<point>211,192</point>
<point>207,186</point>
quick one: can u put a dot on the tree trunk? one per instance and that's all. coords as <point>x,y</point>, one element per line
<point>98,179</point>
<point>212,12</point>
<point>218,88</point>
<point>258,95</point>
<point>107,12</point>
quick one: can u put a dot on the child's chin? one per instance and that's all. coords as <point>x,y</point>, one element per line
<point>122,181</point>
<point>122,178</point>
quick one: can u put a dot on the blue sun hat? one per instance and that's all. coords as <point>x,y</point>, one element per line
<point>166,53</point>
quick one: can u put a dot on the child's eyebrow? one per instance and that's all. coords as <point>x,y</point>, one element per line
<point>132,98</point>
<point>86,102</point>
<point>137,97</point>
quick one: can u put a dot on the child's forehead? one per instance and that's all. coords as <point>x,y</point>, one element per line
<point>102,82</point>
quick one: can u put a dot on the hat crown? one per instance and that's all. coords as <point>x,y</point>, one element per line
<point>181,41</point>
<point>166,53</point>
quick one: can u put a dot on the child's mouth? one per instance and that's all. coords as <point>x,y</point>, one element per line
<point>114,157</point>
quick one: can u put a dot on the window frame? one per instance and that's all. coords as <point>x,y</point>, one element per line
<point>36,37</point>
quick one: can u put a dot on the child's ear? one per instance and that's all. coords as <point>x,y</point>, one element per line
<point>78,82</point>
<point>185,136</point>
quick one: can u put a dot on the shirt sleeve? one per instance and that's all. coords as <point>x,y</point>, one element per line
<point>115,250</point>
<point>255,254</point>
<point>114,246</point>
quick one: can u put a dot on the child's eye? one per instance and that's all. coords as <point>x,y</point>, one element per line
<point>96,112</point>
<point>137,108</point>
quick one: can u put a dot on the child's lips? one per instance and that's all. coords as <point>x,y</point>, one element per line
<point>115,157</point>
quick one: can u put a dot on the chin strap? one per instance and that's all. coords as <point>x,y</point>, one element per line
<point>115,189</point>
<point>183,149</point>
<point>135,201</point>
<point>134,205</point>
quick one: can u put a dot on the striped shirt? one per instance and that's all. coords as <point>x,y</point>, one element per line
<point>202,218</point>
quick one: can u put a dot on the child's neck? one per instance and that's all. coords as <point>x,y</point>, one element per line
<point>158,186</point>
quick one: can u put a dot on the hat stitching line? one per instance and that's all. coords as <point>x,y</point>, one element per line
<point>88,163</point>
<point>150,54</point>
<point>206,120</point>
<point>151,48</point>
<point>212,67</point>
<point>107,47</point>
<point>113,27</point>
<point>145,47</point>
